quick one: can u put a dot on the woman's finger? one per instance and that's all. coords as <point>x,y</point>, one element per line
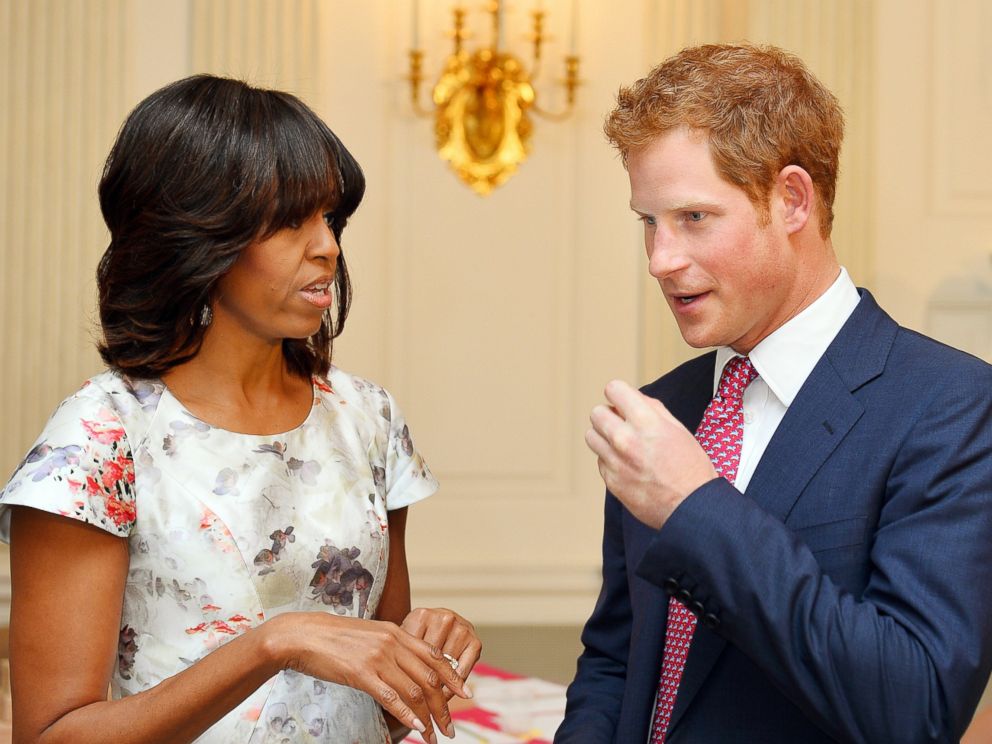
<point>469,657</point>
<point>427,686</point>
<point>390,700</point>
<point>461,643</point>
<point>441,624</point>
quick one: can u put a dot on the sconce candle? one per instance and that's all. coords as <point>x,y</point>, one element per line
<point>499,24</point>
<point>574,40</point>
<point>415,24</point>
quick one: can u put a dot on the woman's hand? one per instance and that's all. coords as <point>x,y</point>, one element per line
<point>401,671</point>
<point>450,632</point>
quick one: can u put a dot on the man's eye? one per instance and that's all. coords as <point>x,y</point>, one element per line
<point>695,216</point>
<point>647,220</point>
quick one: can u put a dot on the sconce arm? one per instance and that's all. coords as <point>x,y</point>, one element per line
<point>571,83</point>
<point>415,78</point>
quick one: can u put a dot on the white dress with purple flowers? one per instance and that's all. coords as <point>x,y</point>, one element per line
<point>226,530</point>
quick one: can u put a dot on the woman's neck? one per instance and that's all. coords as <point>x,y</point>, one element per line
<point>241,387</point>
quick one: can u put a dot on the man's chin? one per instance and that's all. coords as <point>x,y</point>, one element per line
<point>698,338</point>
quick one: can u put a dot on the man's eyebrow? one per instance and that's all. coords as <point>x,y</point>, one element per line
<point>687,205</point>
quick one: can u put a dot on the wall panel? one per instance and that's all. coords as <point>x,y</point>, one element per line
<point>62,97</point>
<point>506,316</point>
<point>961,110</point>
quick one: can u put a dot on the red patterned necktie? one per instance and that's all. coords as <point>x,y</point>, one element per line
<point>719,433</point>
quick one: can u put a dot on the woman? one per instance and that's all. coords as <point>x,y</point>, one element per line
<point>227,508</point>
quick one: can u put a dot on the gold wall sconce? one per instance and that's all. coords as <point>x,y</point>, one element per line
<point>483,98</point>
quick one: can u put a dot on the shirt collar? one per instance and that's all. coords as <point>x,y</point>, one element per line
<point>785,357</point>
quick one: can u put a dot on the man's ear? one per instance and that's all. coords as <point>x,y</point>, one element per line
<point>795,197</point>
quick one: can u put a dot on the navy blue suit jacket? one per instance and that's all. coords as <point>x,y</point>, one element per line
<point>847,596</point>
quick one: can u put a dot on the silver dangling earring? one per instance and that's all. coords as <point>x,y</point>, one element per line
<point>206,316</point>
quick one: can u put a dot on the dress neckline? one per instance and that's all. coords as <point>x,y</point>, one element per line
<point>315,396</point>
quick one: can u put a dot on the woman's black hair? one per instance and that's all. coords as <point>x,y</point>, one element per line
<point>200,169</point>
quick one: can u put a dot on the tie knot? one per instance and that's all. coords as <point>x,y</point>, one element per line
<point>737,375</point>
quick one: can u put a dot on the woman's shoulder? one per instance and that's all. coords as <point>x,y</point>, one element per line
<point>362,395</point>
<point>405,475</point>
<point>111,396</point>
<point>81,466</point>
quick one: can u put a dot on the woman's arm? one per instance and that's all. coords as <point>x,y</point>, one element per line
<point>394,605</point>
<point>442,629</point>
<point>68,581</point>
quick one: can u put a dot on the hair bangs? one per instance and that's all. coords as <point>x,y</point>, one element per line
<point>313,171</point>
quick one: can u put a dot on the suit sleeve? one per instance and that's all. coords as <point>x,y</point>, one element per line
<point>594,698</point>
<point>907,660</point>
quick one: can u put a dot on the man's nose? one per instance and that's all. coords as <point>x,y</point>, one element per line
<point>665,255</point>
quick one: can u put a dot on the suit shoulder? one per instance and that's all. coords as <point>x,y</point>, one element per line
<point>926,359</point>
<point>689,375</point>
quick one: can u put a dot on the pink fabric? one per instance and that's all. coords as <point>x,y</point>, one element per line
<point>490,671</point>
<point>720,434</point>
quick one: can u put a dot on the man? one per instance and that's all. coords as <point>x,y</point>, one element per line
<point>815,564</point>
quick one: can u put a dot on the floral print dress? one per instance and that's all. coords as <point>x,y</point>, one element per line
<point>226,530</point>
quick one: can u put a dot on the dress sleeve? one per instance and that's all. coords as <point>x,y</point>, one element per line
<point>408,479</point>
<point>81,467</point>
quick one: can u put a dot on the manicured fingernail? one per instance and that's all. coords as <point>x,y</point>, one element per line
<point>432,738</point>
<point>419,725</point>
<point>468,690</point>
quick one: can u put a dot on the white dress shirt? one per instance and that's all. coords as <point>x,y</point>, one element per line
<point>784,359</point>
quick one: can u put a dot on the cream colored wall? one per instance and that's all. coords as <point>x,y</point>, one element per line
<point>933,268</point>
<point>494,321</point>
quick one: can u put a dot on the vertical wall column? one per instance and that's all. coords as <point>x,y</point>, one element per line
<point>62,97</point>
<point>271,44</point>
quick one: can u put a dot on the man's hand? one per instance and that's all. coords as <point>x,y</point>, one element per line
<point>646,457</point>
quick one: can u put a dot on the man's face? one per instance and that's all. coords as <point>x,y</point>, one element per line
<point>727,277</point>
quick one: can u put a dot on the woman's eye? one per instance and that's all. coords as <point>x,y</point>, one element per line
<point>335,223</point>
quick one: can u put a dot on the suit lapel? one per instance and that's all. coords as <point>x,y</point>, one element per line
<point>818,419</point>
<point>816,422</point>
<point>824,411</point>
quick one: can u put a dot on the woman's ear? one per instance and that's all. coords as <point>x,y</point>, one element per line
<point>795,196</point>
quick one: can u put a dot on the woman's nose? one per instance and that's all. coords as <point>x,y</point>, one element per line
<point>323,244</point>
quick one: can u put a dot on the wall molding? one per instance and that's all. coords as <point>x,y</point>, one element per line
<point>488,595</point>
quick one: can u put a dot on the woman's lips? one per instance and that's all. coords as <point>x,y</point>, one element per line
<point>318,294</point>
